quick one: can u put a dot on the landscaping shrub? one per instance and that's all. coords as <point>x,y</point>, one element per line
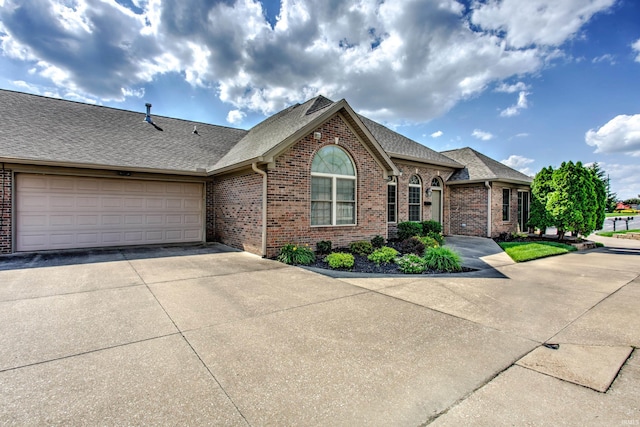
<point>323,246</point>
<point>409,229</point>
<point>296,254</point>
<point>436,236</point>
<point>383,255</point>
<point>412,245</point>
<point>429,242</point>
<point>361,247</point>
<point>377,242</point>
<point>431,227</point>
<point>442,259</point>
<point>411,264</point>
<point>340,260</point>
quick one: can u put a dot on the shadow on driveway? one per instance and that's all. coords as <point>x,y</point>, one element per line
<point>89,256</point>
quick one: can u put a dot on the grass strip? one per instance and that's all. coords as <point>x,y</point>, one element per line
<point>611,233</point>
<point>527,251</point>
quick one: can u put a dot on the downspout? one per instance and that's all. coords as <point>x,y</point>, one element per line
<point>488,186</point>
<point>255,168</point>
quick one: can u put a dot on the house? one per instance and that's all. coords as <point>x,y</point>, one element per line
<point>75,175</point>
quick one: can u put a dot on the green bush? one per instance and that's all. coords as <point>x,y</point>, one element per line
<point>296,254</point>
<point>431,227</point>
<point>411,264</point>
<point>436,236</point>
<point>412,245</point>
<point>442,259</point>
<point>409,229</point>
<point>361,247</point>
<point>383,255</point>
<point>377,242</point>
<point>323,246</point>
<point>429,242</point>
<point>340,260</point>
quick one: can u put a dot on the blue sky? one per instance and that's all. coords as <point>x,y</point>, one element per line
<point>530,83</point>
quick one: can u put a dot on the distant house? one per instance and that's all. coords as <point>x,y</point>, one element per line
<point>77,176</point>
<point>622,206</point>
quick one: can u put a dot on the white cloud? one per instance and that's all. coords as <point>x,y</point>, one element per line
<point>522,135</point>
<point>620,135</point>
<point>536,22</point>
<point>636,47</point>
<point>485,136</point>
<point>607,57</point>
<point>437,134</point>
<point>235,117</point>
<point>516,87</point>
<point>520,105</point>
<point>345,49</point>
<point>519,163</point>
<point>624,179</point>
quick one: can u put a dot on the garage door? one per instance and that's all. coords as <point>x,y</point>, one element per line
<point>59,212</point>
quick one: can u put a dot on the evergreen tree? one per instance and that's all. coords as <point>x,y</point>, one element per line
<point>541,186</point>
<point>572,198</point>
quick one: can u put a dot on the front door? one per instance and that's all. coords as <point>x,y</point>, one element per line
<point>436,205</point>
<point>523,210</point>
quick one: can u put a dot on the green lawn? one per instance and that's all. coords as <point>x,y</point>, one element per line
<point>527,251</point>
<point>611,233</point>
<point>620,215</point>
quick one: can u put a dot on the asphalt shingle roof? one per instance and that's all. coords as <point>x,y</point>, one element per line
<point>400,146</point>
<point>478,167</point>
<point>51,130</point>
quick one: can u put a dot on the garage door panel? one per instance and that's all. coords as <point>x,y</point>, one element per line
<point>93,212</point>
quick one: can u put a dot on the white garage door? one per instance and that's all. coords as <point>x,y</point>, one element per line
<point>59,212</point>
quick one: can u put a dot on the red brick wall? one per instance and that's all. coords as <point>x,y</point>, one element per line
<point>289,194</point>
<point>468,210</point>
<point>237,201</point>
<point>497,224</point>
<point>210,212</point>
<point>426,174</point>
<point>5,211</point>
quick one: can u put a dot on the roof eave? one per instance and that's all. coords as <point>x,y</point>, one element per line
<point>398,156</point>
<point>198,172</point>
<point>241,165</point>
<point>490,179</point>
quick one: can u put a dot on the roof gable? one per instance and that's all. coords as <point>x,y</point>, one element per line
<point>271,137</point>
<point>478,167</point>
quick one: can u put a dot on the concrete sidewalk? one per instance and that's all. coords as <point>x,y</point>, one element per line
<point>211,336</point>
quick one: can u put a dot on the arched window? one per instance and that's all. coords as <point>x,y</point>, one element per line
<point>435,182</point>
<point>333,187</point>
<point>415,198</point>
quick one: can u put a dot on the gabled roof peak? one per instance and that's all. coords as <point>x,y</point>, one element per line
<point>318,104</point>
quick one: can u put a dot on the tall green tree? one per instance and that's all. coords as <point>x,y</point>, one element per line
<point>541,186</point>
<point>571,198</point>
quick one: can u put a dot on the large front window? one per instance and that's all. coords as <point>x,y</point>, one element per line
<point>415,198</point>
<point>333,188</point>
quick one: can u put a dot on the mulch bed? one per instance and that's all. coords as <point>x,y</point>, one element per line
<point>363,265</point>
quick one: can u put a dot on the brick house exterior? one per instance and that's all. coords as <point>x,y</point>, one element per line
<point>255,185</point>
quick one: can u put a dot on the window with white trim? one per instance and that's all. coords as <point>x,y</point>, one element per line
<point>506,203</point>
<point>415,198</point>
<point>333,188</point>
<point>392,197</point>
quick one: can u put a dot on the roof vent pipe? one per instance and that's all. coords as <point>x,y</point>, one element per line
<point>147,118</point>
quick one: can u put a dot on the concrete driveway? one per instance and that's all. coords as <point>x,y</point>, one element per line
<point>211,336</point>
